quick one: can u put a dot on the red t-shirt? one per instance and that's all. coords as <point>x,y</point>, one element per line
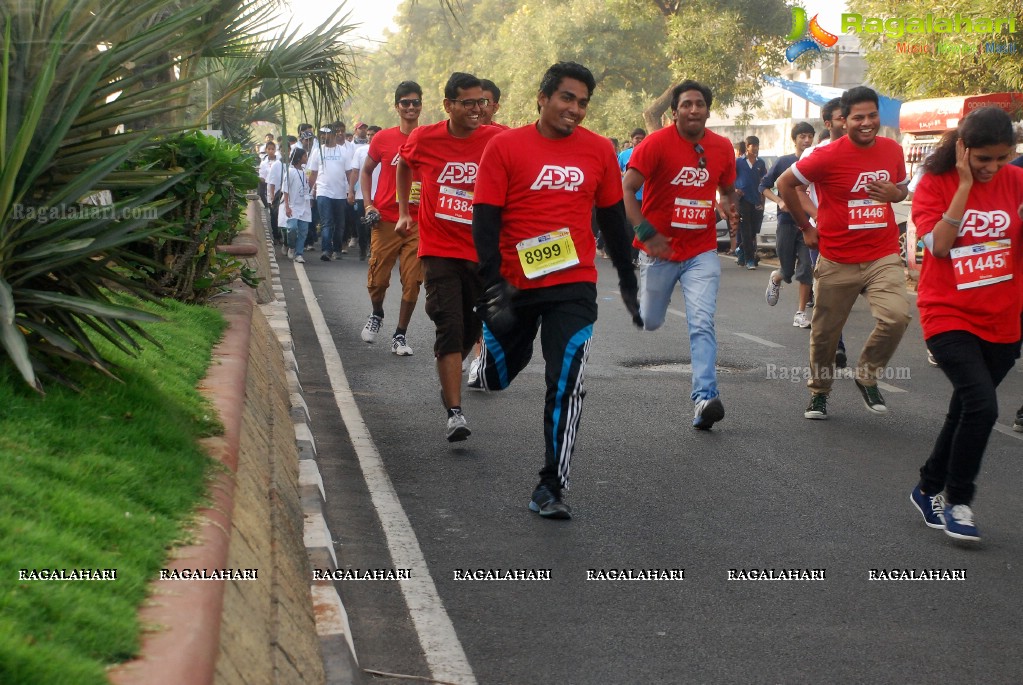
<point>547,190</point>
<point>976,289</point>
<point>679,196</point>
<point>384,149</point>
<point>447,167</point>
<point>854,229</point>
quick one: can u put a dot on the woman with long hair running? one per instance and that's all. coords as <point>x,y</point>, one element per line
<point>968,210</point>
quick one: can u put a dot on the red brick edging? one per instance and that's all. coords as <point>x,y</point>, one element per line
<point>181,618</point>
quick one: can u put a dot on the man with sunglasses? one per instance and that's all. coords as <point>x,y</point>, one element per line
<point>681,168</point>
<point>385,245</point>
<point>446,156</point>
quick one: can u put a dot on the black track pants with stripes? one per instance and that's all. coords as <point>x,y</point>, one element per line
<point>566,327</point>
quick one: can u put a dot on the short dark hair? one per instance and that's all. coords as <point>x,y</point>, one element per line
<point>752,140</point>
<point>297,152</point>
<point>407,88</point>
<point>637,132</point>
<point>491,88</point>
<point>373,129</point>
<point>554,75</point>
<point>855,96</point>
<point>304,127</point>
<point>828,110</point>
<point>982,127</point>
<point>689,84</point>
<point>801,128</point>
<point>459,81</point>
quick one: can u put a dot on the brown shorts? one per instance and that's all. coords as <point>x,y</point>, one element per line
<point>387,247</point>
<point>452,288</point>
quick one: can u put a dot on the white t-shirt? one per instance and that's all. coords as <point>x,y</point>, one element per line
<point>361,152</point>
<point>806,153</point>
<point>264,169</point>
<point>332,165</point>
<point>275,176</point>
<point>297,188</point>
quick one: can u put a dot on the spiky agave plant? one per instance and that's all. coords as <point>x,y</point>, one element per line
<point>69,115</point>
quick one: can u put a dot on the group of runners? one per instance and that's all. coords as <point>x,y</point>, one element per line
<point>497,223</point>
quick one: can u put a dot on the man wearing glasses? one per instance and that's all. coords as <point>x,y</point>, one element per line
<point>446,157</point>
<point>680,169</point>
<point>387,246</point>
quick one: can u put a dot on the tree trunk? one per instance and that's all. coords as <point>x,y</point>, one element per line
<point>652,114</point>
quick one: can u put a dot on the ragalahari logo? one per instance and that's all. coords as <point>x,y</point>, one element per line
<point>819,38</point>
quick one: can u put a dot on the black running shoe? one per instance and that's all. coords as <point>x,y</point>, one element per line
<point>548,504</point>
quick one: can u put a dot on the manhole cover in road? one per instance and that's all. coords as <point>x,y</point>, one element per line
<point>685,368</point>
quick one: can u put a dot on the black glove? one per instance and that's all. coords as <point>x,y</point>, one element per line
<point>371,219</point>
<point>629,289</point>
<point>495,307</point>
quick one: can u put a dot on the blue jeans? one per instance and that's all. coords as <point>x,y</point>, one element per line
<point>297,231</point>
<point>332,222</point>
<point>699,278</point>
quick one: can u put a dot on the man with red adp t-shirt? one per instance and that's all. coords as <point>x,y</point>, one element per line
<point>537,187</point>
<point>857,177</point>
<point>387,246</point>
<point>446,156</point>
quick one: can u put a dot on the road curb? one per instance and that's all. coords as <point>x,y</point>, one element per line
<point>340,661</point>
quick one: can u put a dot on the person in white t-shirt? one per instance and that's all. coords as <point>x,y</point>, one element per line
<point>296,207</point>
<point>359,209</point>
<point>275,175</point>
<point>332,178</point>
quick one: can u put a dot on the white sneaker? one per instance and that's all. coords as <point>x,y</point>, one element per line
<point>291,253</point>
<point>458,428</point>
<point>473,381</point>
<point>931,360</point>
<point>299,259</point>
<point>773,288</point>
<point>800,320</point>
<point>372,327</point>
<point>400,347</point>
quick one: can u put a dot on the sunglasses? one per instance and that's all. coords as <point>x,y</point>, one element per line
<point>702,162</point>
<point>410,103</point>
<point>468,104</point>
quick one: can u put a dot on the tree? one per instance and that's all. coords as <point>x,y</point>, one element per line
<point>942,64</point>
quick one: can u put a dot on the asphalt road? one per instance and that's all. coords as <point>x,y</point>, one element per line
<point>766,489</point>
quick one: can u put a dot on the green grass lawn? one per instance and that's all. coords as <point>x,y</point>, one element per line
<point>102,479</point>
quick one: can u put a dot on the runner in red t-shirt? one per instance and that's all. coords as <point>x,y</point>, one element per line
<point>446,156</point>
<point>682,169</point>
<point>857,177</point>
<point>535,197</point>
<point>386,245</point>
<point>968,210</point>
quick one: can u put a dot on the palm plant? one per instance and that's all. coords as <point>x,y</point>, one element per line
<point>85,86</point>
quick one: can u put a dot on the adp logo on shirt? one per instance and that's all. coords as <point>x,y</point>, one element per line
<point>691,176</point>
<point>558,178</point>
<point>868,177</point>
<point>458,172</point>
<point>985,224</point>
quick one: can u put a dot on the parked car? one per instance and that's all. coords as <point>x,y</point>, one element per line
<point>768,238</point>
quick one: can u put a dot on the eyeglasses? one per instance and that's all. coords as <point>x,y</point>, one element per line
<point>702,162</point>
<point>468,104</point>
<point>411,103</point>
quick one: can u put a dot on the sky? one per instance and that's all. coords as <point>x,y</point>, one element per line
<point>374,16</point>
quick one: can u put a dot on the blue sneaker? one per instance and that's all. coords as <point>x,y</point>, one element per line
<point>931,507</point>
<point>959,523</point>
<point>740,259</point>
<point>708,412</point>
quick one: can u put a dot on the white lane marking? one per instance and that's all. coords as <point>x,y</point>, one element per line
<point>889,388</point>
<point>752,338</point>
<point>443,651</point>
<point>1006,430</point>
<point>677,313</point>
